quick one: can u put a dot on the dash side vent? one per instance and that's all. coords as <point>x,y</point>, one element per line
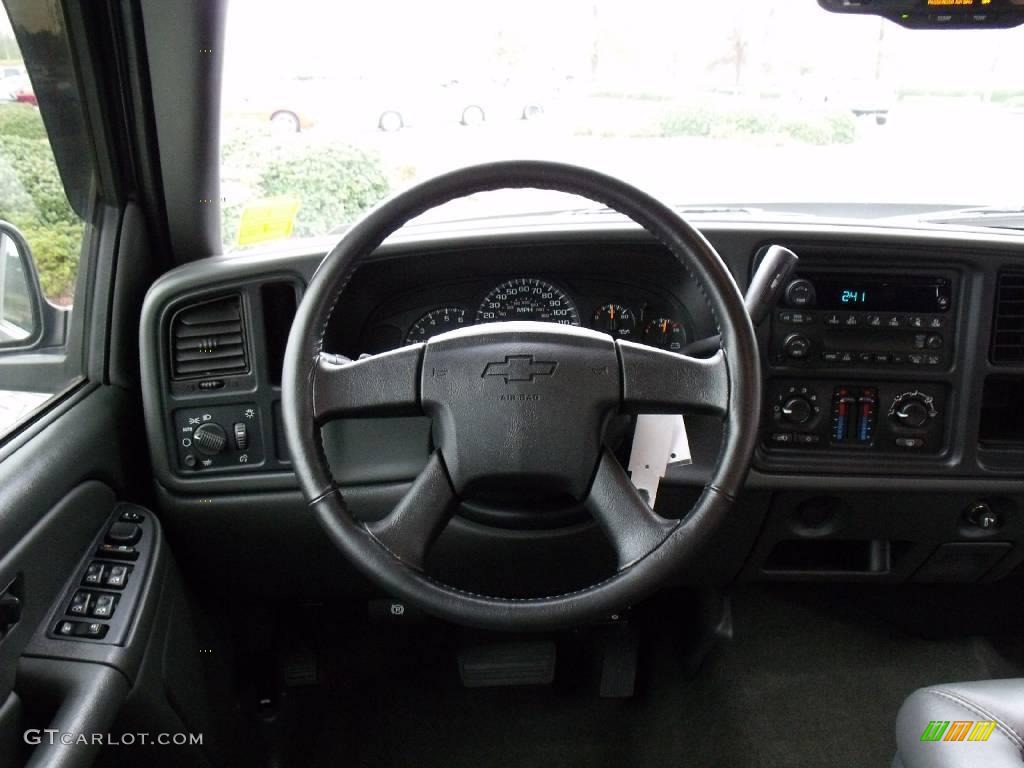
<point>1008,325</point>
<point>208,339</point>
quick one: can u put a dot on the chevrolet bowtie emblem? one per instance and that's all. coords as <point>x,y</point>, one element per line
<point>519,368</point>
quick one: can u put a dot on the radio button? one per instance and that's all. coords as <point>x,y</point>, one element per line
<point>782,437</point>
<point>920,340</point>
<point>935,341</point>
<point>915,359</point>
<point>897,358</point>
<point>846,357</point>
<point>851,321</point>
<point>866,357</point>
<point>933,360</point>
<point>881,357</point>
<point>875,321</point>
<point>830,357</point>
<point>936,322</point>
<point>894,321</point>
<point>796,347</point>
<point>800,293</point>
<point>915,321</point>
<point>832,319</point>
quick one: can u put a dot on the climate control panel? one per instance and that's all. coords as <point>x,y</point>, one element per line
<point>895,417</point>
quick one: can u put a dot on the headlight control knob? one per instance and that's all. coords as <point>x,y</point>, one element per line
<point>210,439</point>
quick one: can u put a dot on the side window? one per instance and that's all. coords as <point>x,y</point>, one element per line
<point>41,235</point>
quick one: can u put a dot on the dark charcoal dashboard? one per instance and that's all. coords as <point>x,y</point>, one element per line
<point>891,445</point>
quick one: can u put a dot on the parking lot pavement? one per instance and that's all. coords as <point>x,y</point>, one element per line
<point>15,405</point>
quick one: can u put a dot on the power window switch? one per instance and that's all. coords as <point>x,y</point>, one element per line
<point>93,575</point>
<point>103,608</point>
<point>117,576</point>
<point>80,603</point>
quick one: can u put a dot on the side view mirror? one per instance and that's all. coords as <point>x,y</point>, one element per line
<point>27,319</point>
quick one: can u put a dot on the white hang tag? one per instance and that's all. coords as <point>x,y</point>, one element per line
<point>659,440</point>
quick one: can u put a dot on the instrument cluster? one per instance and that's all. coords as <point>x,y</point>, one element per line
<point>643,319</point>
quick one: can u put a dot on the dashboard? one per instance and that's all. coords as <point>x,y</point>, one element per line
<point>891,446</point>
<point>621,309</point>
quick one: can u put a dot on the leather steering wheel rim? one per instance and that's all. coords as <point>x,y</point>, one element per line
<point>733,381</point>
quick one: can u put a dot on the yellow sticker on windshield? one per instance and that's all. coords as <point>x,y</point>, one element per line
<point>271,218</point>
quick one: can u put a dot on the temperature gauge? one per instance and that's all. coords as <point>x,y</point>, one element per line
<point>616,320</point>
<point>664,333</point>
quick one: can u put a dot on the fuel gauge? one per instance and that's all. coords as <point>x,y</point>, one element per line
<point>664,333</point>
<point>616,320</point>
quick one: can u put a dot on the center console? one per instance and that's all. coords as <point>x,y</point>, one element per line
<point>859,362</point>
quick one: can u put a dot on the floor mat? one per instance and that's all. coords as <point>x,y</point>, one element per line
<point>805,682</point>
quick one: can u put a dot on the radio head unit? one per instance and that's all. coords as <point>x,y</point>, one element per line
<point>862,319</point>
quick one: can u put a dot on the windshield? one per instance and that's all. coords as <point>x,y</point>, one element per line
<point>327,108</point>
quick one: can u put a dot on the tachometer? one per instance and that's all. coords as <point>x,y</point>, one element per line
<point>435,322</point>
<point>527,298</point>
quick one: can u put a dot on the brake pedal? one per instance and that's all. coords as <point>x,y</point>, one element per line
<point>508,664</point>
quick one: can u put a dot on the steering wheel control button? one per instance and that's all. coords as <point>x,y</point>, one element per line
<point>220,437</point>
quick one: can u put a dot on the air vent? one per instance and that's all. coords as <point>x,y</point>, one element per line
<point>1008,327</point>
<point>208,339</point>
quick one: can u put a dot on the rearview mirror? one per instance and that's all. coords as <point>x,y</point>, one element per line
<point>937,14</point>
<point>21,300</point>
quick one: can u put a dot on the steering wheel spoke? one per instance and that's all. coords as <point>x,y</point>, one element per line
<point>656,381</point>
<point>633,528</point>
<point>387,384</point>
<point>411,527</point>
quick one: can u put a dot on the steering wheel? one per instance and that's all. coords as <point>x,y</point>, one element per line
<point>521,404</point>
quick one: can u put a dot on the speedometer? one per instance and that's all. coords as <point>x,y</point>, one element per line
<point>527,298</point>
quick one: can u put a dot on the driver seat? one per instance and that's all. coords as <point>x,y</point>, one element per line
<point>962,725</point>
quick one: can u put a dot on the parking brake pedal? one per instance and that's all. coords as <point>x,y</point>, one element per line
<point>507,664</point>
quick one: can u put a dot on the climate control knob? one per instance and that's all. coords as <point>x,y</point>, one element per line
<point>210,439</point>
<point>913,410</point>
<point>797,410</point>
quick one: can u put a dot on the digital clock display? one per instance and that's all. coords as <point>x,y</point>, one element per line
<point>896,294</point>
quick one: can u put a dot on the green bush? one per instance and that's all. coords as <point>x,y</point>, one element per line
<point>21,120</point>
<point>830,128</point>
<point>333,182</point>
<point>56,250</point>
<point>691,121</point>
<point>32,198</point>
